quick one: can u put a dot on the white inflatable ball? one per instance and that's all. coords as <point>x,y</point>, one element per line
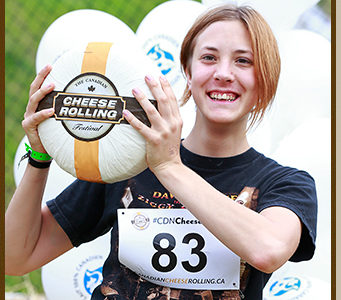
<point>88,136</point>
<point>304,87</point>
<point>188,114</point>
<point>294,286</point>
<point>161,38</point>
<point>280,14</point>
<point>259,137</point>
<point>308,147</point>
<point>75,274</point>
<point>79,26</point>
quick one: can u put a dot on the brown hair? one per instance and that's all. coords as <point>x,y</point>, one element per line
<point>264,45</point>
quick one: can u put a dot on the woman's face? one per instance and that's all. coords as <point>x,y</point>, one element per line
<point>222,80</point>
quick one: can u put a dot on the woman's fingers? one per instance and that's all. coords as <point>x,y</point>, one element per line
<point>167,89</point>
<point>164,135</point>
<point>166,118</point>
<point>37,82</point>
<point>36,97</point>
<point>150,110</point>
<point>35,119</point>
<point>164,98</point>
<point>32,118</point>
<point>175,118</point>
<point>38,91</point>
<point>139,126</point>
<point>30,125</point>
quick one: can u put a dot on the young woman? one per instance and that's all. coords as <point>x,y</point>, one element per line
<point>258,213</point>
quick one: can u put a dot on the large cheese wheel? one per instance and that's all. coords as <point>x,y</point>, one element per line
<point>91,149</point>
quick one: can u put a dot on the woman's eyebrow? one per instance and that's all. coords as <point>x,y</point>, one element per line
<point>243,51</point>
<point>210,48</point>
<point>238,51</point>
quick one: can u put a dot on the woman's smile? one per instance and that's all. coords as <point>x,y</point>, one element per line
<point>223,96</point>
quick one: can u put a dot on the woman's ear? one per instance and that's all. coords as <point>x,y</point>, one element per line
<point>189,82</point>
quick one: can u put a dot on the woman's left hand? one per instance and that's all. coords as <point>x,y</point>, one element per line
<point>164,136</point>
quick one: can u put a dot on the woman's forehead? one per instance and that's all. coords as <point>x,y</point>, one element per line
<point>222,33</point>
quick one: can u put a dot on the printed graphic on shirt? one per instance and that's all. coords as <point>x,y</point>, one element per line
<point>123,283</point>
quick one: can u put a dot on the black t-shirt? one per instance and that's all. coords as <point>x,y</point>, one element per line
<point>96,205</point>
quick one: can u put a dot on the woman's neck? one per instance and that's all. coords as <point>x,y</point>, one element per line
<point>217,140</point>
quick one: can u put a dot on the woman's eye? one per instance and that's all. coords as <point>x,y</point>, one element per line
<point>208,57</point>
<point>244,61</point>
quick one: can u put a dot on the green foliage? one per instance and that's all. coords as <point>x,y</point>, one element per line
<point>28,284</point>
<point>326,5</point>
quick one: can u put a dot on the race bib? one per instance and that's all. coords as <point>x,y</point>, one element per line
<point>172,248</point>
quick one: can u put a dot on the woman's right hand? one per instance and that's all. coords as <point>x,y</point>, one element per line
<point>32,118</point>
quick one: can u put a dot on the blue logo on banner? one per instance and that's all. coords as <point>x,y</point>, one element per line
<point>92,279</point>
<point>164,59</point>
<point>285,285</point>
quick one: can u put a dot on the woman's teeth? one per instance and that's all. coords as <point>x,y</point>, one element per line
<point>224,97</point>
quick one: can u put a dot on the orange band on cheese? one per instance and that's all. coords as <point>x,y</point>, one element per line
<point>95,57</point>
<point>86,161</point>
<point>86,153</point>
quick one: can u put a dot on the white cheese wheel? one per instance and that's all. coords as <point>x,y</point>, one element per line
<point>90,149</point>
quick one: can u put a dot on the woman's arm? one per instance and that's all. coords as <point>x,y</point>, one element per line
<point>32,235</point>
<point>266,240</point>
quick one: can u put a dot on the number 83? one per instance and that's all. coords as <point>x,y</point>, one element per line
<point>172,257</point>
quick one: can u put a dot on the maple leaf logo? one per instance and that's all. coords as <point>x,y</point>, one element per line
<point>91,88</point>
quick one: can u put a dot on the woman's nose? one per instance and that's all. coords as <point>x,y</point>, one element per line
<point>224,72</point>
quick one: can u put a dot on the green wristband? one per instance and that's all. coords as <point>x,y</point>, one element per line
<point>37,155</point>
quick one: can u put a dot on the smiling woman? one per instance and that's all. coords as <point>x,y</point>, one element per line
<point>250,214</point>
